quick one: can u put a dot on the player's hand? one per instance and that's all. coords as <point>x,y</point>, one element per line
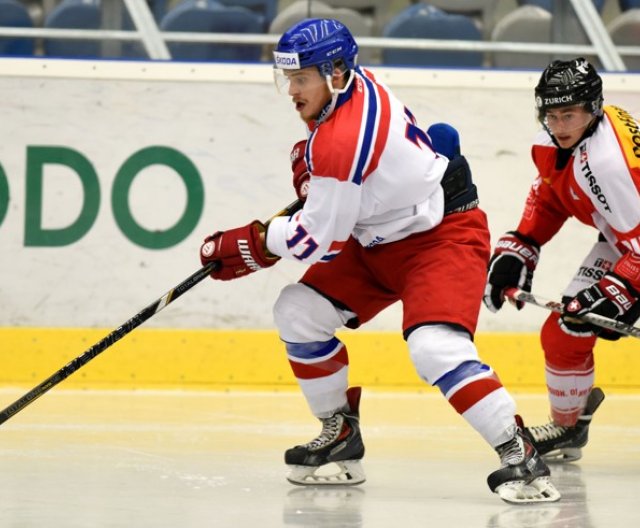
<point>300,171</point>
<point>236,252</point>
<point>512,265</point>
<point>610,297</point>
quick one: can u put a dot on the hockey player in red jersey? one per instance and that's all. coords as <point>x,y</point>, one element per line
<point>588,162</point>
<point>385,219</point>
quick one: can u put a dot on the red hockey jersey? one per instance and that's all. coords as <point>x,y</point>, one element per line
<point>599,186</point>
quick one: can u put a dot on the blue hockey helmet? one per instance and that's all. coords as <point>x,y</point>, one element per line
<point>320,42</point>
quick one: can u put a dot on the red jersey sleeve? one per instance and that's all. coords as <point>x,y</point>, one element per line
<point>543,214</point>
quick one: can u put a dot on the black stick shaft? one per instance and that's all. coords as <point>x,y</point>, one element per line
<point>119,332</point>
<point>105,343</point>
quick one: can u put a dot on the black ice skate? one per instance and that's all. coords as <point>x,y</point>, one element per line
<point>339,444</point>
<point>559,444</point>
<point>523,477</point>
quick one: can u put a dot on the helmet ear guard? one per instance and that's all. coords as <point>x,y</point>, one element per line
<point>569,83</point>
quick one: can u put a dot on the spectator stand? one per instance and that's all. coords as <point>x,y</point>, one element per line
<point>154,44</point>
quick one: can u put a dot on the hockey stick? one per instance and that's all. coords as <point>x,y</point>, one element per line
<point>595,319</point>
<point>121,331</point>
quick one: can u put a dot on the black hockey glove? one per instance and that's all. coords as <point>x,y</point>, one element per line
<point>511,266</point>
<point>610,297</point>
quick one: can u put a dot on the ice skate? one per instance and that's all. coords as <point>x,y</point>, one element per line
<point>334,456</point>
<point>559,444</point>
<point>523,477</point>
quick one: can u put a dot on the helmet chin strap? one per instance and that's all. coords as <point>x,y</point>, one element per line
<point>335,93</point>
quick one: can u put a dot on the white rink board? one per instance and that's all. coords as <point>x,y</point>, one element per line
<point>231,124</point>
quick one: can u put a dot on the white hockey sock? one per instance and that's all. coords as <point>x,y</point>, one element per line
<point>568,392</point>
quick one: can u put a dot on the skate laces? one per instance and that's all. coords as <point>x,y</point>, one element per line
<point>512,452</point>
<point>331,428</point>
<point>550,431</point>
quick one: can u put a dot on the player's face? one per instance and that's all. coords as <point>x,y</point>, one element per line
<point>567,124</point>
<point>309,92</point>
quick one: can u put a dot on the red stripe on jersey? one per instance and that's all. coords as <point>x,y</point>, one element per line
<point>336,246</point>
<point>333,147</point>
<point>384,112</point>
<point>566,418</point>
<point>472,393</point>
<point>322,368</point>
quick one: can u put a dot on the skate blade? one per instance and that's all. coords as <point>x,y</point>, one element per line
<point>520,492</point>
<point>563,455</point>
<point>342,473</point>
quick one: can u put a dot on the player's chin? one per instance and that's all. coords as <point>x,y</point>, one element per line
<point>565,141</point>
<point>304,115</point>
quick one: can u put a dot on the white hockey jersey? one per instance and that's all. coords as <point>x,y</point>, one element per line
<point>374,176</point>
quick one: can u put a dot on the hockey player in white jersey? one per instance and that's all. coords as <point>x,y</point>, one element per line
<point>588,162</point>
<point>385,219</point>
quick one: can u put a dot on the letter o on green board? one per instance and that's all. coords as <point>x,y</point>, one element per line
<point>4,194</point>
<point>185,168</point>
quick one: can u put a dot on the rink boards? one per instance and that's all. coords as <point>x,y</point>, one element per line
<point>81,126</point>
<point>227,359</point>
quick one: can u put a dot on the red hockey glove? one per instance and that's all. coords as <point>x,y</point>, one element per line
<point>300,170</point>
<point>512,265</point>
<point>610,297</point>
<point>236,252</point>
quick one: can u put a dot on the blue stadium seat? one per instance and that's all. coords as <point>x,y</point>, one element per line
<point>15,14</point>
<point>265,9</point>
<point>625,5</point>
<point>428,22</point>
<point>483,12</point>
<point>209,16</point>
<point>158,8</point>
<point>73,14</point>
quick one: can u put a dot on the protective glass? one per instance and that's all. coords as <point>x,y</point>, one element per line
<point>295,81</point>
<point>566,119</point>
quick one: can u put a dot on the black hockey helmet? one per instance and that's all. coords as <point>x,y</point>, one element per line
<point>568,83</point>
